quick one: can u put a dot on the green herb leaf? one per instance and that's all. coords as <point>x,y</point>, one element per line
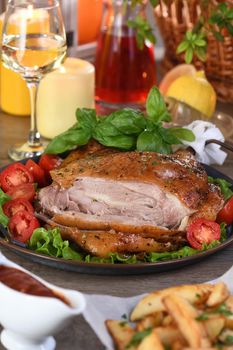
<point>189,55</point>
<point>228,340</point>
<point>108,135</point>
<point>143,30</point>
<point>127,121</point>
<point>86,118</point>
<point>225,186</point>
<point>151,141</point>
<point>138,337</point>
<point>156,107</point>
<point>73,137</point>
<point>183,134</point>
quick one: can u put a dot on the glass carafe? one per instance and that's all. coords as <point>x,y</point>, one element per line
<point>124,72</point>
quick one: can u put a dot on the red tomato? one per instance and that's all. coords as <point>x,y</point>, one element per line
<point>226,213</point>
<point>12,207</point>
<point>37,172</point>
<point>14,175</point>
<point>202,231</point>
<point>22,225</point>
<point>49,162</point>
<point>26,191</point>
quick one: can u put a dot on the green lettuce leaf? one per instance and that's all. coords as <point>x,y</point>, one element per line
<point>50,242</point>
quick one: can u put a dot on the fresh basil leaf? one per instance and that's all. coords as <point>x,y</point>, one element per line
<point>108,135</point>
<point>151,141</point>
<point>86,118</point>
<point>73,137</point>
<point>168,136</point>
<point>123,142</point>
<point>225,186</point>
<point>183,134</point>
<point>128,121</point>
<point>156,107</point>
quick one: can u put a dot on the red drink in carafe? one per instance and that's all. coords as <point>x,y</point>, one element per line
<point>124,73</point>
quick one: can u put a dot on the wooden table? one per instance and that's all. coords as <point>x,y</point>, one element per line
<point>78,334</point>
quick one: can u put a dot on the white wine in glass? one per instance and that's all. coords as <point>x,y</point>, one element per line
<point>33,44</point>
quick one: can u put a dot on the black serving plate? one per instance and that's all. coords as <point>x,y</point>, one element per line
<point>117,269</point>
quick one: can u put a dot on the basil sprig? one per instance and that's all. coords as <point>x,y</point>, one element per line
<point>126,129</point>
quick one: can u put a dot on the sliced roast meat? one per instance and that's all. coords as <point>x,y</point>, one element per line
<point>95,203</point>
<point>130,192</point>
<point>102,243</point>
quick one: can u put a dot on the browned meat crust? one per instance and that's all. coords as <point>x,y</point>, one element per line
<point>180,174</point>
<point>85,224</point>
<point>101,243</point>
<point>93,147</point>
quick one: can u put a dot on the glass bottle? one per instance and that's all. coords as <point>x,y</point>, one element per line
<point>124,72</point>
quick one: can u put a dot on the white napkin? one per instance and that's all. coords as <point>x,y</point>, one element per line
<point>203,131</point>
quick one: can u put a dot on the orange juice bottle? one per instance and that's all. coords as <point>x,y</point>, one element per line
<point>89,20</point>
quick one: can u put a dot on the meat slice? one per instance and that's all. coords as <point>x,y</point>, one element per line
<point>178,174</point>
<point>95,203</point>
<point>101,243</point>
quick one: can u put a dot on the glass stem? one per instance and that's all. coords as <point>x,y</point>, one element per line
<point>34,135</point>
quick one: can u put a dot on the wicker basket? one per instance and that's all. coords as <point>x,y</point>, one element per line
<point>173,21</point>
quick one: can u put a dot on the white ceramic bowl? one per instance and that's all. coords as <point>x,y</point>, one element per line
<point>29,321</point>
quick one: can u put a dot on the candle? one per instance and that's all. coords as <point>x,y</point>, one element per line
<point>61,93</point>
<point>14,92</point>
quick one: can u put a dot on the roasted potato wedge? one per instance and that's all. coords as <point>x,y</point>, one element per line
<point>191,317</point>
<point>152,341</point>
<point>153,301</point>
<point>218,295</point>
<point>121,334</point>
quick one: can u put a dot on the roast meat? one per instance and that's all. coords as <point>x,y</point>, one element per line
<point>137,193</point>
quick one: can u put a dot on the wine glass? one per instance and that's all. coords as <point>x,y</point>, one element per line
<point>33,44</point>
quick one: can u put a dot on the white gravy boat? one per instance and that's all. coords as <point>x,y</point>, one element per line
<point>30,321</point>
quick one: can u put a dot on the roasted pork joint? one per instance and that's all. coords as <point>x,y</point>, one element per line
<point>137,193</point>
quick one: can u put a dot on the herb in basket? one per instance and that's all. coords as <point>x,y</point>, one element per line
<point>216,20</point>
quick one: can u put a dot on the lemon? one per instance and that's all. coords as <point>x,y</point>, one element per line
<point>174,73</point>
<point>195,91</point>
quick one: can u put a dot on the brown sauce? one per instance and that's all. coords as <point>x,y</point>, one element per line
<point>24,283</point>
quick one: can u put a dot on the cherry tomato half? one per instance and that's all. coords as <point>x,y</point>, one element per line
<point>202,231</point>
<point>26,191</point>
<point>22,225</point>
<point>14,175</point>
<point>226,213</point>
<point>13,206</point>
<point>49,162</point>
<point>37,172</point>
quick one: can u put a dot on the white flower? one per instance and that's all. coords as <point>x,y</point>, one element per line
<point>203,131</point>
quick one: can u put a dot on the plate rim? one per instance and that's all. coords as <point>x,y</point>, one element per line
<point>117,269</point>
